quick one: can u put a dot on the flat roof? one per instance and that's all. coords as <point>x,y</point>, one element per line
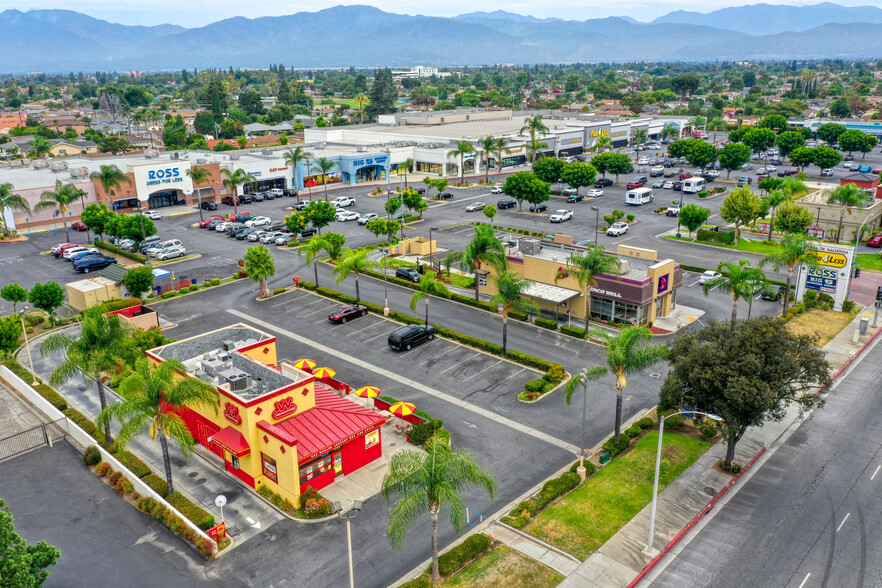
<point>635,268</point>
<point>549,292</point>
<point>470,130</point>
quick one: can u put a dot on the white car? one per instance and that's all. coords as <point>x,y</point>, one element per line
<point>344,216</point>
<point>126,244</point>
<point>826,173</point>
<point>475,206</point>
<point>496,190</point>
<point>561,215</point>
<point>71,251</point>
<point>221,227</point>
<point>171,253</point>
<point>668,185</point>
<point>259,221</point>
<point>152,214</point>
<point>594,193</point>
<point>761,171</point>
<point>285,239</point>
<point>271,237</point>
<point>256,236</point>
<point>367,217</point>
<point>342,201</point>
<point>708,276</point>
<point>59,246</point>
<point>643,161</point>
<point>771,169</point>
<point>617,229</point>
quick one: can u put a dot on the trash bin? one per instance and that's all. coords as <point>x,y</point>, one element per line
<point>865,323</point>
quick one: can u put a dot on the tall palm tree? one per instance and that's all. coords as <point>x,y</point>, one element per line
<point>429,481</point>
<point>353,261</point>
<point>847,197</point>
<point>498,149</point>
<point>153,398</point>
<point>463,148</point>
<point>63,196</point>
<point>601,144</point>
<point>11,201</point>
<point>428,287</point>
<point>510,296</point>
<point>716,124</point>
<point>361,99</point>
<point>111,178</point>
<point>325,165</point>
<point>199,176</point>
<point>533,126</point>
<point>626,353</point>
<point>793,250</point>
<point>582,377</point>
<point>641,136</point>
<point>773,200</point>
<point>739,279</point>
<point>40,147</point>
<point>260,266</point>
<point>293,157</point>
<point>101,347</point>
<point>408,165</point>
<point>483,250</point>
<point>584,266</point>
<point>312,249</point>
<point>232,180</point>
<point>488,146</point>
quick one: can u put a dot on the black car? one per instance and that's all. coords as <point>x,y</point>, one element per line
<point>246,199</point>
<point>603,183</point>
<point>575,198</point>
<point>269,196</point>
<point>242,234</point>
<point>407,273</point>
<point>420,191</point>
<point>289,192</point>
<point>772,292</point>
<point>307,233</point>
<point>406,337</point>
<point>208,205</point>
<point>445,196</point>
<point>678,186</point>
<point>744,180</point>
<point>539,208</point>
<point>92,262</point>
<point>503,204</point>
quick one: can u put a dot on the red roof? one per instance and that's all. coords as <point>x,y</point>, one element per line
<point>232,440</point>
<point>333,422</point>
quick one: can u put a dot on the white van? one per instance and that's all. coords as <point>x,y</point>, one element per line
<point>638,196</point>
<point>277,192</point>
<point>694,185</point>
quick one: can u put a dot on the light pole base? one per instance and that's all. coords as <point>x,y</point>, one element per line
<point>651,554</point>
<point>583,473</point>
<point>386,311</point>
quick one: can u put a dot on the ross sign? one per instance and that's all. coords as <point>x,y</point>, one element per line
<point>284,407</point>
<point>153,177</point>
<point>231,413</point>
<point>832,277</point>
<point>218,531</point>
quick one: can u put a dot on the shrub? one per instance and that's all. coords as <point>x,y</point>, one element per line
<point>103,469</point>
<point>734,468</point>
<point>674,421</point>
<point>120,251</point>
<point>572,331</point>
<point>613,448</point>
<point>633,431</point>
<point>421,433</point>
<point>133,464</point>
<point>54,398</point>
<point>631,217</point>
<point>29,330</point>
<point>126,487</point>
<point>535,385</point>
<point>265,491</point>
<point>318,507</point>
<point>590,468</point>
<point>555,374</point>
<point>157,483</point>
<point>32,320</point>
<point>114,478</point>
<point>645,423</point>
<point>200,518</point>
<point>91,456</point>
<point>419,582</point>
<point>215,281</point>
<point>463,553</point>
<point>545,323</point>
<point>278,291</point>
<point>528,360</point>
<point>708,429</point>
<point>518,315</point>
<point>849,306</point>
<point>702,194</point>
<point>516,522</point>
<point>724,237</point>
<point>169,294</point>
<point>85,424</point>
<point>474,342</point>
<point>241,273</point>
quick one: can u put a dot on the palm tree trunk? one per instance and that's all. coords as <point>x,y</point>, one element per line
<point>325,182</point>
<point>357,293</point>
<point>735,309</point>
<point>166,462</point>
<point>66,230</point>
<point>103,400</point>
<point>771,225</point>
<point>427,310</point>
<point>587,309</point>
<point>505,333</point>
<point>199,193</point>
<point>315,268</point>
<point>787,291</point>
<point>263,292</point>
<point>619,396</point>
<point>433,515</point>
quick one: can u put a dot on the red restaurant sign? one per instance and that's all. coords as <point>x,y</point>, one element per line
<point>284,407</point>
<point>231,412</point>
<point>218,531</point>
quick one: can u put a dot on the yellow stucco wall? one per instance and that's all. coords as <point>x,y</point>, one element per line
<point>267,358</point>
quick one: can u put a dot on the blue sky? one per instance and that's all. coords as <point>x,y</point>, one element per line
<point>194,13</point>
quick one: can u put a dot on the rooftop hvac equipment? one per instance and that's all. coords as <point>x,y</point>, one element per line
<point>361,148</point>
<point>202,375</point>
<point>151,153</point>
<point>79,172</point>
<point>175,155</point>
<point>40,163</point>
<point>57,165</point>
<point>213,367</point>
<point>225,357</point>
<point>229,345</point>
<point>234,157</point>
<point>201,161</point>
<point>529,246</point>
<point>237,379</point>
<point>320,145</point>
<point>250,341</point>
<point>266,152</point>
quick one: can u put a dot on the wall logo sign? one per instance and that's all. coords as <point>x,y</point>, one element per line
<point>231,413</point>
<point>606,293</point>
<point>284,407</point>
<point>600,133</point>
<point>277,169</point>
<point>562,273</point>
<point>663,284</point>
<point>156,177</point>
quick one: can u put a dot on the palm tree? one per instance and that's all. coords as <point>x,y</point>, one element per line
<point>408,166</point>
<point>483,250</point>
<point>232,180</point>
<point>111,178</point>
<point>626,353</point>
<point>582,377</point>
<point>199,175</point>
<point>601,144</point>
<point>11,201</point>
<point>641,136</point>
<point>153,398</point>
<point>847,196</point>
<point>312,249</point>
<point>361,99</point>
<point>508,297</point>
<point>793,250</point>
<point>293,157</point>
<point>488,145</point>
<point>353,261</point>
<point>431,480</point>
<point>102,344</point>
<point>63,196</point>
<point>40,146</point>
<point>773,200</point>
<point>584,266</point>
<point>427,287</point>
<point>462,149</point>
<point>260,266</point>
<point>500,147</point>
<point>716,124</point>
<point>534,125</point>
<point>667,131</point>
<point>739,279</point>
<point>325,165</point>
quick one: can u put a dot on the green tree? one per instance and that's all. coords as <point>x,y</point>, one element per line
<point>788,141</point>
<point>510,296</point>
<point>10,332</point>
<point>40,147</point>
<point>776,122</point>
<point>414,201</point>
<point>463,148</point>
<point>548,169</point>
<point>627,352</point>
<point>500,148</point>
<point>260,266</point>
<point>826,157</point>
<point>14,293</point>
<point>47,297</point>
<point>700,153</point>
<point>578,174</point>
<point>325,166</point>
<point>484,250</point>
<point>199,175</point>
<point>601,144</point>
<point>152,399</point>
<point>829,132</point>
<point>851,141</point>
<point>716,124</point>
<point>393,205</point>
<point>311,250</point>
<point>428,286</point>
<point>139,280</point>
<point>382,94</point>
<point>205,123</point>
<point>232,180</point>
<point>487,146</point>
<point>533,126</point>
<point>355,262</point>
<point>733,156</point>
<point>772,201</point>
<point>377,226</point>
<point>746,375</point>
<point>739,279</point>
<point>429,481</point>
<point>95,217</point>
<point>111,178</point>
<point>490,212</point>
<point>840,108</point>
<point>759,140</point>
<point>585,266</point>
<point>333,245</point>
<point>407,165</point>
<point>361,99</point>
<point>59,200</point>
<point>693,216</point>
<point>526,186</point>
<point>10,201</point>
<point>792,251</point>
<point>641,136</point>
<point>320,214</point>
<point>249,101</point>
<point>866,145</point>
<point>293,157</point>
<point>685,84</point>
<point>22,565</point>
<point>793,218</point>
<point>102,347</point>
<point>847,197</point>
<point>679,148</point>
<point>802,156</point>
<point>741,207</point>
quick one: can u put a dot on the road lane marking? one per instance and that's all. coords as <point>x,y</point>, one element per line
<point>482,371</point>
<point>876,472</point>
<point>511,376</point>
<point>848,514</point>
<point>804,580</point>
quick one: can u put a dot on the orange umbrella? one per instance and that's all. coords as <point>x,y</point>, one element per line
<point>304,364</point>
<point>323,373</point>
<point>402,409</point>
<point>368,392</point>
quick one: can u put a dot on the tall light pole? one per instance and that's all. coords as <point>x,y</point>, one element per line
<point>351,514</point>
<point>385,282</point>
<point>431,246</point>
<point>24,331</point>
<point>388,170</point>
<point>596,210</point>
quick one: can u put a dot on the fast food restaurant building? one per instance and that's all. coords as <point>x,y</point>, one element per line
<point>274,425</point>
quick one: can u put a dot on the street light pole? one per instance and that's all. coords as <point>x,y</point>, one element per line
<point>24,331</point>
<point>596,210</point>
<point>353,512</point>
<point>385,282</point>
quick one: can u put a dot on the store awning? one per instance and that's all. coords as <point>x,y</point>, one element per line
<point>550,293</point>
<point>232,440</point>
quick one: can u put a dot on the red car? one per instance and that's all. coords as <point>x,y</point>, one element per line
<point>685,176</point>
<point>65,247</point>
<point>875,241</point>
<point>204,223</point>
<point>79,226</point>
<point>345,313</point>
<point>632,185</point>
<point>877,170</point>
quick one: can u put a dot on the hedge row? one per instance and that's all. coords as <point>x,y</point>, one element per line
<point>133,464</point>
<point>112,305</point>
<point>616,448</point>
<point>160,513</point>
<point>461,555</point>
<point>120,251</point>
<point>200,518</point>
<point>552,489</point>
<point>726,238</point>
<point>159,485</point>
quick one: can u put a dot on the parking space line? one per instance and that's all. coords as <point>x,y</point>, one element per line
<point>367,327</point>
<point>377,337</point>
<point>874,473</point>
<point>482,371</point>
<point>460,363</point>
<point>419,386</point>
<point>325,310</point>
<point>511,376</point>
<point>437,356</point>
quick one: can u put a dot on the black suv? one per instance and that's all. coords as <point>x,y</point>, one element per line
<point>289,192</point>
<point>307,233</point>
<point>503,204</point>
<point>407,273</point>
<point>406,337</point>
<point>445,196</point>
<point>603,183</point>
<point>208,205</point>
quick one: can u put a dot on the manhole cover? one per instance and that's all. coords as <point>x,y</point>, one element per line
<point>233,531</point>
<point>201,481</point>
<point>655,375</point>
<point>193,474</point>
<point>710,491</point>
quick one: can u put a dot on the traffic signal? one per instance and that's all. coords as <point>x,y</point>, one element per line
<point>879,293</point>
<point>857,272</point>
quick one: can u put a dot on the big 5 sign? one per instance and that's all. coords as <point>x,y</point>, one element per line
<point>154,177</point>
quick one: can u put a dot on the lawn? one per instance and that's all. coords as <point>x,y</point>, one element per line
<point>503,567</point>
<point>825,323</point>
<point>456,279</point>
<point>587,517</point>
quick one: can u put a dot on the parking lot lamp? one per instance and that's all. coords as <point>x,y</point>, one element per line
<point>388,170</point>
<point>596,210</point>
<point>431,247</point>
<point>24,331</point>
<point>385,282</point>
<point>350,514</point>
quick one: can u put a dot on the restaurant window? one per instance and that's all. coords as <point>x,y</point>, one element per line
<point>625,313</point>
<point>316,467</point>
<point>234,461</point>
<point>601,308</point>
<point>269,468</point>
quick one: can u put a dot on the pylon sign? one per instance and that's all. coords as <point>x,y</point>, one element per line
<point>831,276</point>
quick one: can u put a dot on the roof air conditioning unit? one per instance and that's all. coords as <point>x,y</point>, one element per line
<point>57,165</point>
<point>266,152</point>
<point>175,155</point>
<point>237,379</point>
<point>361,148</point>
<point>234,157</point>
<point>201,161</point>
<point>213,367</point>
<point>228,345</point>
<point>528,246</point>
<point>225,357</point>
<point>151,153</point>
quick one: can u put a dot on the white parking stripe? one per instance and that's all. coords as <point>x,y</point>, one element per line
<point>459,363</point>
<point>377,337</point>
<point>482,371</point>
<point>437,356</point>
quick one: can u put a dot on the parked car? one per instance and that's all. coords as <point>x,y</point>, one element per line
<point>289,192</point>
<point>152,214</point>
<point>367,217</point>
<point>302,204</point>
<point>285,239</point>
<point>92,262</point>
<point>633,185</point>
<point>203,224</point>
<point>407,273</point>
<point>677,186</point>
<point>575,198</point>
<point>255,236</point>
<point>658,184</point>
<point>343,201</point>
<point>827,173</point>
<point>271,236</point>
<point>674,208</point>
<point>228,200</point>
<point>269,195</point>
<point>594,193</point>
<point>496,190</point>
<point>708,276</point>
<point>344,216</point>
<point>206,205</point>
<point>156,248</point>
<point>243,216</point>
<point>744,181</point>
<point>539,208</point>
<point>79,226</point>
<point>148,243</point>
<point>569,192</point>
<point>258,221</point>
<point>503,204</point>
<point>171,253</point>
<point>247,198</point>
<point>561,215</point>
<point>875,241</point>
<point>406,337</point>
<point>71,251</point>
<point>848,158</point>
<point>82,254</point>
<point>475,206</point>
<point>242,233</point>
<point>772,292</point>
<point>603,183</point>
<point>668,185</point>
<point>445,196</point>
<point>617,229</point>
<point>56,250</point>
<point>344,314</point>
<point>257,197</point>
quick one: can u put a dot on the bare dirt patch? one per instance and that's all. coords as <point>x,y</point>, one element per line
<point>825,324</point>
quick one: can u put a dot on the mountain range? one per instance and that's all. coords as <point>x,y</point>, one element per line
<point>364,36</point>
